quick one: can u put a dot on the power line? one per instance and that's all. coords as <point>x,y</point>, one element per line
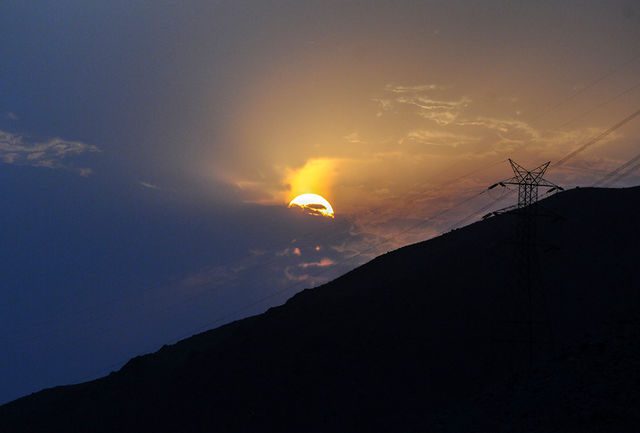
<point>481,210</point>
<point>621,176</point>
<point>618,172</point>
<point>602,104</point>
<point>597,138</point>
<point>589,85</point>
<point>590,170</point>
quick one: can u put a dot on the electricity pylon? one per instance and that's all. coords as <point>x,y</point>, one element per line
<point>528,183</point>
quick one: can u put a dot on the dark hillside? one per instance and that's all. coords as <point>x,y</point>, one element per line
<point>431,337</point>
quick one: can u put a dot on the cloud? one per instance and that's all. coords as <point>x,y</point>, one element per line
<point>394,88</point>
<point>322,263</point>
<point>441,110</point>
<point>409,155</point>
<point>304,272</point>
<point>353,138</point>
<point>52,153</point>
<point>289,252</point>
<point>503,126</point>
<point>454,131</point>
<point>149,185</point>
<point>12,116</point>
<point>291,276</point>
<point>437,139</point>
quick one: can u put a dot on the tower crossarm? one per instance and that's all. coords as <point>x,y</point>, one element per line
<point>528,182</point>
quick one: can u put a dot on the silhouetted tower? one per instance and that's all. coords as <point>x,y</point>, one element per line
<point>528,183</point>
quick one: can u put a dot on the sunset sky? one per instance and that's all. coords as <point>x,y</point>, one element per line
<point>149,149</point>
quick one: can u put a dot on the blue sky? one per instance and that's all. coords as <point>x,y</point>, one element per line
<point>148,150</point>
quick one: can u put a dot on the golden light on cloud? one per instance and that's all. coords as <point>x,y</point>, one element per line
<point>313,204</point>
<point>316,175</point>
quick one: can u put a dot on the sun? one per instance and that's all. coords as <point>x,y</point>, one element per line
<point>313,204</point>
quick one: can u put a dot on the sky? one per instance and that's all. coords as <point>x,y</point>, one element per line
<point>149,149</point>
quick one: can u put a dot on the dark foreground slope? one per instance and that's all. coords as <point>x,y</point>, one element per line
<point>431,337</point>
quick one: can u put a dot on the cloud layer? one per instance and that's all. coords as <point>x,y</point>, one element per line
<point>51,153</point>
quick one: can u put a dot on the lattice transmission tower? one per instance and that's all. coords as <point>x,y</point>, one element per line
<point>528,182</point>
<point>527,265</point>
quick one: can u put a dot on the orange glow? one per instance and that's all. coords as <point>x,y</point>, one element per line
<point>316,175</point>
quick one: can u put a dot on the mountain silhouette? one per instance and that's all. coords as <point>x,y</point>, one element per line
<point>433,337</point>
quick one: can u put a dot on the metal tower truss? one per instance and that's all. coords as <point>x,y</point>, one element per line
<point>526,254</point>
<point>528,183</point>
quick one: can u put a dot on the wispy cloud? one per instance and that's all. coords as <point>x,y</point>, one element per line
<point>452,125</point>
<point>504,126</point>
<point>149,185</point>
<point>428,145</point>
<point>434,138</point>
<point>322,263</point>
<point>441,110</point>
<point>353,138</point>
<point>311,273</point>
<point>51,153</point>
<point>396,88</point>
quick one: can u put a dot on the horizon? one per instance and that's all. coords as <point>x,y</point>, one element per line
<point>149,152</point>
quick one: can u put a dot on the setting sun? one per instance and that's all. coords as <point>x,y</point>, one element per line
<point>313,204</point>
